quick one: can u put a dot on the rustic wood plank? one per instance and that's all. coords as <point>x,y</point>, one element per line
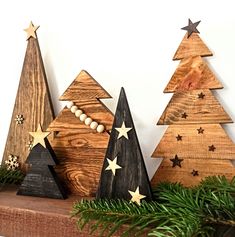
<point>123,168</point>
<point>192,73</point>
<point>32,101</point>
<point>195,142</point>
<point>196,106</point>
<point>192,46</point>
<point>184,175</point>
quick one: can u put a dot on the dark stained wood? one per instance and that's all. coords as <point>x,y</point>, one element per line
<point>80,149</point>
<point>192,73</point>
<point>192,46</point>
<point>126,150</point>
<point>198,110</point>
<point>32,102</point>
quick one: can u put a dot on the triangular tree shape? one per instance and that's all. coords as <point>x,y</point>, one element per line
<point>79,144</point>
<point>191,74</point>
<point>188,107</point>
<point>124,175</point>
<point>32,104</point>
<point>41,179</point>
<point>191,46</point>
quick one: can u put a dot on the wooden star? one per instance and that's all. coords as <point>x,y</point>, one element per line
<point>191,27</point>
<point>123,130</point>
<point>184,115</point>
<point>39,136</point>
<point>200,130</point>
<point>113,165</point>
<point>201,96</point>
<point>179,138</point>
<point>195,173</point>
<point>176,161</point>
<point>31,31</point>
<point>212,148</point>
<point>136,196</point>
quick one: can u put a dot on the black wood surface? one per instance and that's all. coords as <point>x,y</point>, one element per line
<point>41,179</point>
<point>133,173</point>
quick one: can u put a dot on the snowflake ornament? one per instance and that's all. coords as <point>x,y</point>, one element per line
<point>12,163</point>
<point>19,119</point>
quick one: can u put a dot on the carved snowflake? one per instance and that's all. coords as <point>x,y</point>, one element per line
<point>30,145</point>
<point>19,119</point>
<point>12,163</point>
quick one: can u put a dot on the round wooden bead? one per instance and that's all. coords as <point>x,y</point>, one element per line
<point>88,121</point>
<point>94,125</point>
<point>70,104</point>
<point>74,108</point>
<point>83,117</point>
<point>100,128</point>
<point>78,113</point>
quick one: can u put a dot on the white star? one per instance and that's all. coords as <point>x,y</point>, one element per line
<point>136,196</point>
<point>31,31</point>
<point>123,130</point>
<point>113,165</point>
<point>39,136</point>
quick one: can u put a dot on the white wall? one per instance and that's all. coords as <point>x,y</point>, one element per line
<point>120,43</point>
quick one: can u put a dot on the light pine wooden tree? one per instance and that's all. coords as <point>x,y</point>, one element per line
<point>82,135</point>
<point>195,145</point>
<point>32,104</point>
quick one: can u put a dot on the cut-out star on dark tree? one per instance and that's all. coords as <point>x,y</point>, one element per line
<point>191,27</point>
<point>176,161</point>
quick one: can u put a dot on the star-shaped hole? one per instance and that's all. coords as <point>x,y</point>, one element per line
<point>176,161</point>
<point>179,137</point>
<point>212,148</point>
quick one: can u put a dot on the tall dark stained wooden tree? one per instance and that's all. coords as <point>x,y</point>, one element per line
<point>83,133</point>
<point>32,104</point>
<point>124,174</point>
<point>41,179</point>
<point>195,144</point>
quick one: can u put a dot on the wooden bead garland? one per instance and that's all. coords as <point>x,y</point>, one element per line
<point>84,118</point>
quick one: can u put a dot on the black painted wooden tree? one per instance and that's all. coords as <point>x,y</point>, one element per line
<point>124,174</point>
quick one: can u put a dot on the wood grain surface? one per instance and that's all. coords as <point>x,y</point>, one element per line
<point>198,110</point>
<point>192,46</point>
<point>192,73</point>
<point>32,102</point>
<point>80,149</point>
<point>195,145</point>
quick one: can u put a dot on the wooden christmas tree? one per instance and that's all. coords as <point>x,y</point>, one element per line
<point>124,175</point>
<point>41,180</point>
<point>195,144</point>
<point>32,104</point>
<point>83,133</point>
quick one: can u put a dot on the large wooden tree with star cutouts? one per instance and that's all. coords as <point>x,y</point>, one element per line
<point>195,145</point>
<point>32,104</point>
<point>124,175</point>
<point>41,179</point>
<point>83,133</point>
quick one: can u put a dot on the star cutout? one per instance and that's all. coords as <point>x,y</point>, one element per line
<point>179,138</point>
<point>39,136</point>
<point>136,196</point>
<point>212,148</point>
<point>191,27</point>
<point>200,130</point>
<point>184,115</point>
<point>123,130</point>
<point>113,165</point>
<point>176,161</point>
<point>201,96</point>
<point>31,31</point>
<point>195,173</point>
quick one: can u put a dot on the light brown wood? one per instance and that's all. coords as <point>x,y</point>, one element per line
<point>192,46</point>
<point>80,149</point>
<point>32,102</point>
<point>198,110</point>
<point>205,168</point>
<point>195,145</point>
<point>192,73</point>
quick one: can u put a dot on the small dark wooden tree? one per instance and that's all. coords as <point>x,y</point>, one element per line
<point>41,180</point>
<point>124,174</point>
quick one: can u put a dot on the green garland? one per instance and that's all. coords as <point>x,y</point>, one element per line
<point>206,210</point>
<point>10,176</point>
